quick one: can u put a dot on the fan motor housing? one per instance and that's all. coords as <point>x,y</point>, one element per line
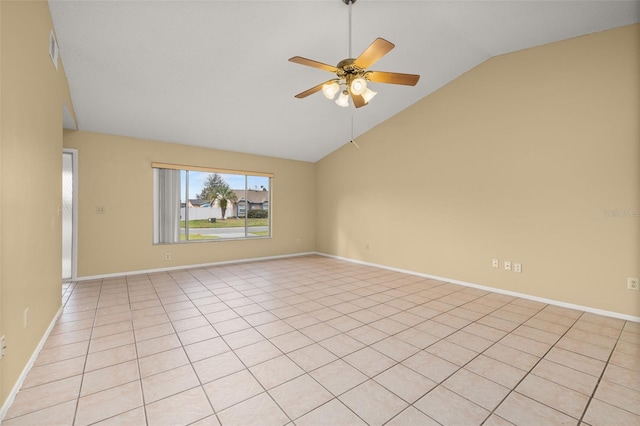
<point>348,66</point>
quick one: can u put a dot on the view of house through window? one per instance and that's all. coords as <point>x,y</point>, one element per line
<point>197,205</point>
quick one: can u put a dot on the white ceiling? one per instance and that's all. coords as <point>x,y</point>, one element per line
<point>215,73</point>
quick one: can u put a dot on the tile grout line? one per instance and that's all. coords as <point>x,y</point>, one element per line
<point>370,345</point>
<point>480,353</point>
<point>408,327</point>
<point>135,348</point>
<point>604,369</point>
<point>230,349</point>
<point>200,384</point>
<point>86,356</point>
<point>283,353</point>
<point>513,389</point>
<point>286,354</point>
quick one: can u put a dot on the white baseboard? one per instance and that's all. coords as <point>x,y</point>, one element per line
<point>14,391</point>
<point>495,290</point>
<point>199,265</point>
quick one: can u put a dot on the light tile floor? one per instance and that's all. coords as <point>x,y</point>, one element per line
<point>319,341</point>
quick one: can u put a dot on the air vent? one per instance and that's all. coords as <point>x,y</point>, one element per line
<point>53,49</point>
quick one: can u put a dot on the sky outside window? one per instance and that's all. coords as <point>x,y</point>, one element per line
<point>198,179</point>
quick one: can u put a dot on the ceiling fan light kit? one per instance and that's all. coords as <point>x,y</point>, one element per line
<point>353,74</point>
<point>368,94</point>
<point>343,99</point>
<point>330,89</point>
<point>358,86</point>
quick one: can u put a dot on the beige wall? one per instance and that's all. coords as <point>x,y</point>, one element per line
<point>33,93</point>
<point>518,160</point>
<point>115,172</point>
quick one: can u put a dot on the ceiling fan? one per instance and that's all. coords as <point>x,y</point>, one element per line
<point>353,74</point>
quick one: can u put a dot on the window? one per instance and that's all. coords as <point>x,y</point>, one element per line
<point>202,204</point>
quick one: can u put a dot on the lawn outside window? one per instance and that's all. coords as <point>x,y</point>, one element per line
<point>206,204</point>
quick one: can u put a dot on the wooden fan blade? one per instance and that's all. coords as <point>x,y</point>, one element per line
<point>311,63</point>
<point>392,78</point>
<point>313,90</point>
<point>358,100</point>
<point>374,52</point>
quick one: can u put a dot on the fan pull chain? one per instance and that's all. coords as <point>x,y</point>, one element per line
<point>352,140</point>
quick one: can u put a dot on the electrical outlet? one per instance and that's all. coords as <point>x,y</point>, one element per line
<point>100,210</point>
<point>495,263</point>
<point>507,265</point>
<point>633,283</point>
<point>3,346</point>
<point>298,241</point>
<point>167,256</point>
<point>517,267</point>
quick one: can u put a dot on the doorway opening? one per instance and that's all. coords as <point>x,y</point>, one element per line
<point>69,214</point>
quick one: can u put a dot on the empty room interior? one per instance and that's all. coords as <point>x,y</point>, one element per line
<point>320,212</point>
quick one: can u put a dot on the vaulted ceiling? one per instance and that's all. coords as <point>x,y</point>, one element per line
<point>215,73</point>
